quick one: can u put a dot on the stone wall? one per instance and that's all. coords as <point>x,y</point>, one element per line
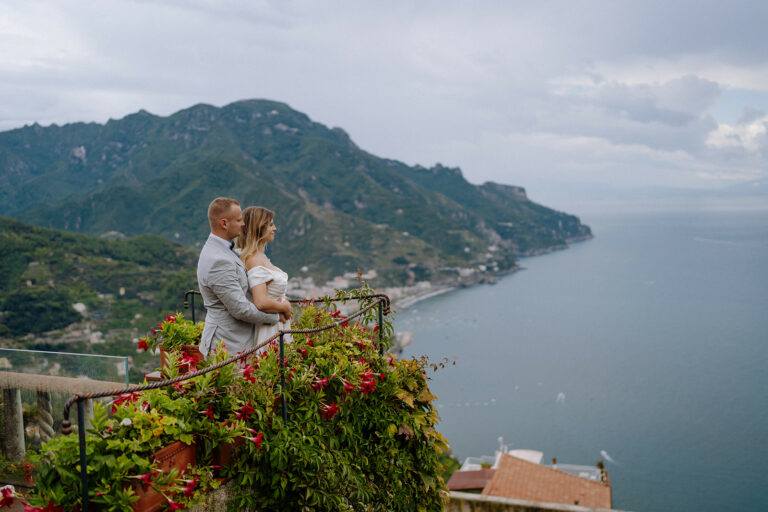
<point>467,502</point>
<point>457,502</point>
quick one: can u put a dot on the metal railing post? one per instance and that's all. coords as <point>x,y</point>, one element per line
<point>282,379</point>
<point>83,456</point>
<point>381,326</point>
<point>192,301</point>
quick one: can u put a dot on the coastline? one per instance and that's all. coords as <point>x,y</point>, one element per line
<point>410,301</point>
<point>403,297</point>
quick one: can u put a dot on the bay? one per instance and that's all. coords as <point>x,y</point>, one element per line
<point>654,337</point>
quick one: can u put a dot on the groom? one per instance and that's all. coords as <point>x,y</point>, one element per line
<point>223,283</point>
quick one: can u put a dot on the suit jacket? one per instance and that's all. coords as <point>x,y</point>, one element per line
<point>231,314</point>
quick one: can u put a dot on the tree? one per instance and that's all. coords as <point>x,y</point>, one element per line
<point>38,309</point>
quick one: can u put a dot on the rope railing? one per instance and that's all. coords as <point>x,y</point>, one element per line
<point>382,302</point>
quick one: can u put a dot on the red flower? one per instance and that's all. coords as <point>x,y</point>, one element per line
<point>189,489</point>
<point>171,319</point>
<point>311,343</point>
<point>178,386</point>
<point>376,328</point>
<point>391,362</point>
<point>190,361</point>
<point>154,331</point>
<point>175,506</point>
<point>248,374</point>
<point>257,440</point>
<point>245,411</point>
<point>147,477</point>
<point>348,387</point>
<point>368,386</point>
<point>331,411</point>
<point>143,344</point>
<point>303,352</point>
<point>336,313</point>
<point>345,323</point>
<point>380,376</point>
<point>209,411</point>
<point>50,507</point>
<point>320,383</point>
<point>368,383</point>
<point>121,399</point>
<point>7,499</point>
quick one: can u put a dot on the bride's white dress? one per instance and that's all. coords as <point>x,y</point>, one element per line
<point>277,284</point>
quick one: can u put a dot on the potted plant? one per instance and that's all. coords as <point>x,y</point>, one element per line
<point>176,335</point>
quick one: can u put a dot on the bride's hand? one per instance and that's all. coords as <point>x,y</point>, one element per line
<point>286,315</point>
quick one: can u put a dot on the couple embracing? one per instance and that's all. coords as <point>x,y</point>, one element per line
<point>243,293</point>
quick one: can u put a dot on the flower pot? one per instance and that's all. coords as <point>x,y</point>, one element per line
<point>186,350</point>
<point>177,455</point>
<point>222,454</point>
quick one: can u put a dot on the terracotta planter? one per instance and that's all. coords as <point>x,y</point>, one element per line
<point>222,454</point>
<point>186,350</point>
<point>177,455</point>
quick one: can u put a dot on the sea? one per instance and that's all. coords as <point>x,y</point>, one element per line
<point>645,347</point>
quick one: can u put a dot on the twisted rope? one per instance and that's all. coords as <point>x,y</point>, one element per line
<point>44,416</point>
<point>66,426</point>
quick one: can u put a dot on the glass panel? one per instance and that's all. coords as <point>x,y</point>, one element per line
<point>65,364</point>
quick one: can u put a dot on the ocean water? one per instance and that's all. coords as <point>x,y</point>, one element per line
<point>646,347</point>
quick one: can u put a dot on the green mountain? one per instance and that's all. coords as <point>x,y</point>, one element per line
<point>338,207</point>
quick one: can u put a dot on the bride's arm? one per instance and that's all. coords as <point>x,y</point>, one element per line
<point>267,305</point>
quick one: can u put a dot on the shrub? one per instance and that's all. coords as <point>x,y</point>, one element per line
<point>360,433</point>
<point>38,309</point>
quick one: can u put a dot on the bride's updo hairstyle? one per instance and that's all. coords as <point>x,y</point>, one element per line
<point>253,237</point>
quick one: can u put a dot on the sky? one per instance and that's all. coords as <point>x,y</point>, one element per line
<point>576,101</point>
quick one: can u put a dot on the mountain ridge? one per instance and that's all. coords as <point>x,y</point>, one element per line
<point>338,207</point>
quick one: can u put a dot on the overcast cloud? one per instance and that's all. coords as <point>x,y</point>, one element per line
<point>562,97</point>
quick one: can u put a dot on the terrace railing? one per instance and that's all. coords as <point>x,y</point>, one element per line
<point>380,301</point>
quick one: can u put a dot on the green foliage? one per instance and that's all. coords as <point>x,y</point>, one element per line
<point>172,333</point>
<point>360,434</point>
<point>43,272</point>
<point>361,427</point>
<point>38,309</point>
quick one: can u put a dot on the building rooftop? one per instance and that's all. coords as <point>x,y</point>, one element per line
<point>518,478</point>
<point>470,480</point>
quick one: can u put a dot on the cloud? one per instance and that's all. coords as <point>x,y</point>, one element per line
<point>749,134</point>
<point>544,94</point>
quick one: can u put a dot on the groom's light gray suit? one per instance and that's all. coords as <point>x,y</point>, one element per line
<point>223,282</point>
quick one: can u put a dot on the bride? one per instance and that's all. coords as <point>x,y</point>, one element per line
<point>268,283</point>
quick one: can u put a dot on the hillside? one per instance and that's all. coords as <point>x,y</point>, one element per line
<point>121,287</point>
<point>338,207</point>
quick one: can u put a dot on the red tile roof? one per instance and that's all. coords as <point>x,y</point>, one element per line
<point>520,479</point>
<point>467,480</point>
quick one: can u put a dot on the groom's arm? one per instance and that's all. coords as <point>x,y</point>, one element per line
<point>223,281</point>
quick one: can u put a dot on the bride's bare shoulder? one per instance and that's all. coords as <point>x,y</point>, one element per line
<point>256,260</point>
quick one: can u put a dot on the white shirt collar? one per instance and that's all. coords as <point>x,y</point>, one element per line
<point>219,240</point>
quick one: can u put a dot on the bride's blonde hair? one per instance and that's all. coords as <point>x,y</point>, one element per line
<point>253,237</point>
